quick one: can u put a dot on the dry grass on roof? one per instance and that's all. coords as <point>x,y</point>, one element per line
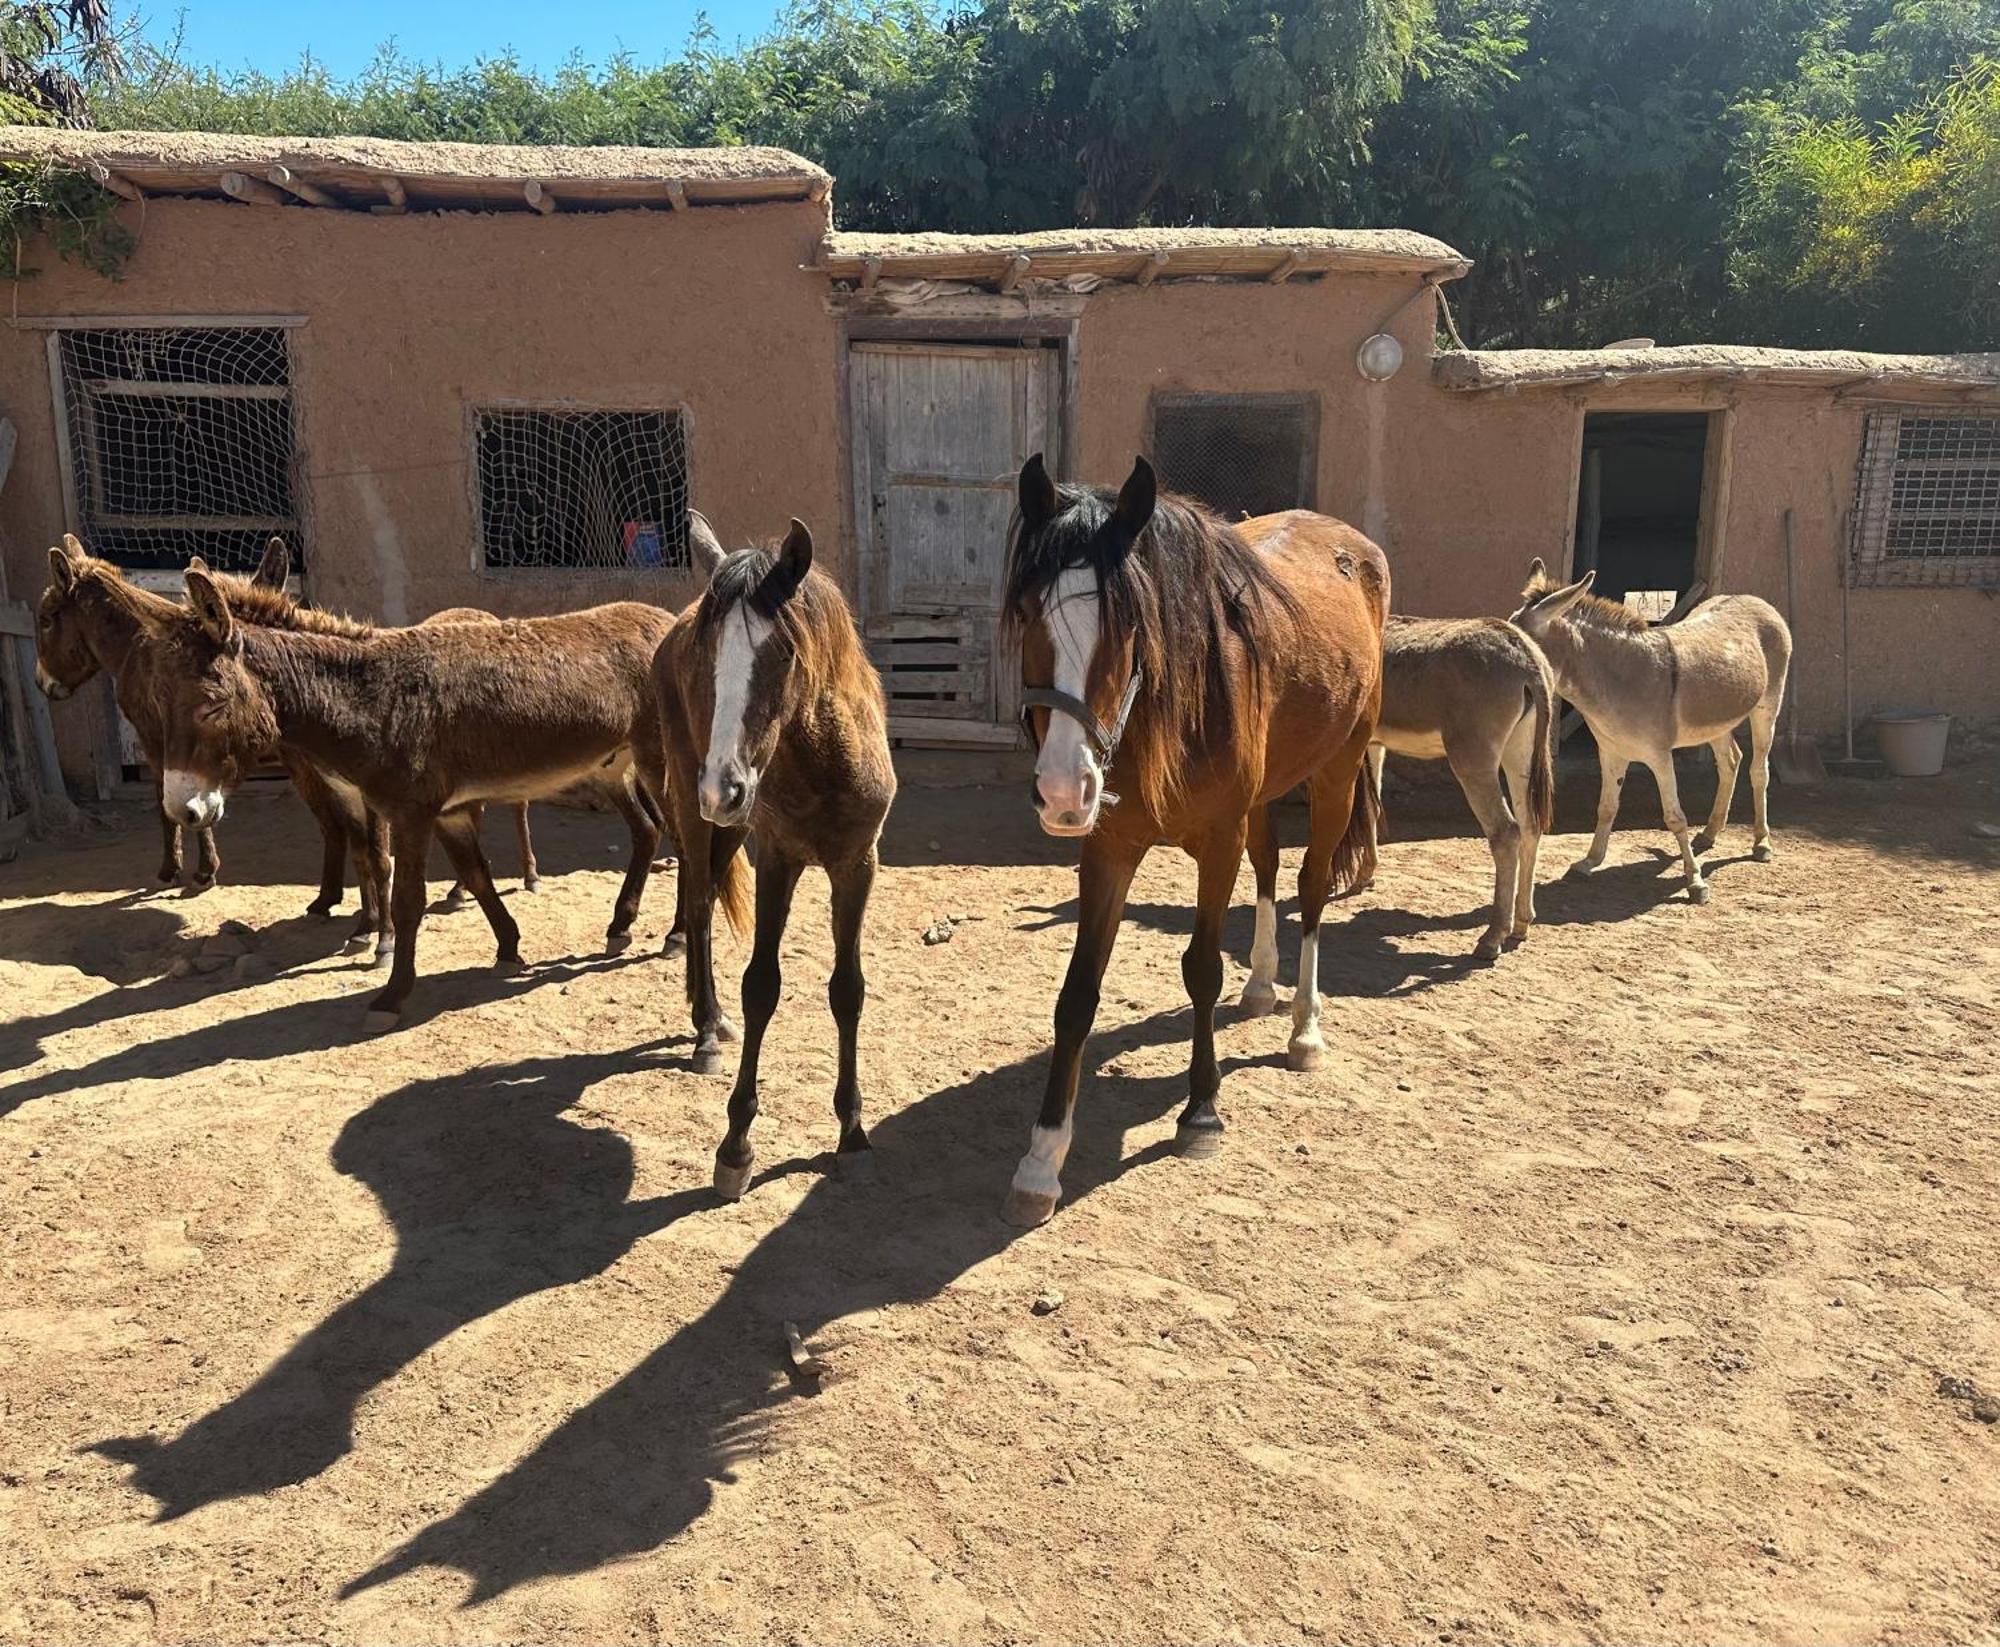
<point>1528,368</point>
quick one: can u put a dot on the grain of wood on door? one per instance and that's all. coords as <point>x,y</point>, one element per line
<point>940,433</point>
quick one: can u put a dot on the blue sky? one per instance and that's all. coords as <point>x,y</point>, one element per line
<point>234,34</point>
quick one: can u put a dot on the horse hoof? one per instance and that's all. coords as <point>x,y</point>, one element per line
<point>532,884</point>
<point>1197,1143</point>
<point>195,888</point>
<point>1582,869</point>
<point>1025,1209</point>
<point>1258,999</point>
<point>384,958</point>
<point>708,1060</point>
<point>322,907</point>
<point>1698,893</point>
<point>379,1020</point>
<point>1489,945</point>
<point>731,1182</point>
<point>509,966</point>
<point>726,1031</point>
<point>354,944</point>
<point>1518,936</point>
<point>616,943</point>
<point>1304,1056</point>
<point>1704,842</point>
<point>675,944</point>
<point>1761,852</point>
<point>856,1166</point>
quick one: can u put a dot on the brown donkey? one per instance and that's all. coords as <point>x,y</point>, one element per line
<point>1203,669</point>
<point>775,727</point>
<point>89,620</point>
<point>424,722</point>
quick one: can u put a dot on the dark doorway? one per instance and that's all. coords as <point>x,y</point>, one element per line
<point>1638,506</point>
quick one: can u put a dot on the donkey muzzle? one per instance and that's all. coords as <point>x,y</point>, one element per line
<point>52,689</point>
<point>190,800</point>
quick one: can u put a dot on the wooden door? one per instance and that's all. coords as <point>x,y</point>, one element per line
<point>940,432</point>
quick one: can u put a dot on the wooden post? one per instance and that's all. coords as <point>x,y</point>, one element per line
<point>1591,527</point>
<point>105,178</point>
<point>311,193</point>
<point>539,197</point>
<point>677,195</point>
<point>250,191</point>
<point>871,271</point>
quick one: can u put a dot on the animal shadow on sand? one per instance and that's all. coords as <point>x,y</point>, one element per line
<point>494,1194</point>
<point>278,1032</point>
<point>639,1463</point>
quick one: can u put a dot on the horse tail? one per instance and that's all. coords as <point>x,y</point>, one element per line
<point>1354,857</point>
<point>732,892</point>
<point>1541,767</point>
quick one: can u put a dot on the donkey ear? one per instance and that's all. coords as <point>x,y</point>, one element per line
<point>275,567</point>
<point>1536,569</point>
<point>1135,501</point>
<point>73,546</point>
<point>788,571</point>
<point>210,606</point>
<point>1553,606</point>
<point>63,569</point>
<point>704,547</point>
<point>1037,493</point>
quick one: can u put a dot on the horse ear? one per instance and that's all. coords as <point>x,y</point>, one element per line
<point>1037,493</point>
<point>275,567</point>
<point>788,571</point>
<point>210,606</point>
<point>1136,499</point>
<point>63,569</point>
<point>704,547</point>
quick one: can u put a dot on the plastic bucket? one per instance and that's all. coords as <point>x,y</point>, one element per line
<point>1913,742</point>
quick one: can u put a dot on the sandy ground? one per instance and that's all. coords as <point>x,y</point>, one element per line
<point>1601,1295</point>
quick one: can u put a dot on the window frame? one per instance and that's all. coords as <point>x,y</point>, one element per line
<point>677,416</point>
<point>1871,564</point>
<point>1302,400</point>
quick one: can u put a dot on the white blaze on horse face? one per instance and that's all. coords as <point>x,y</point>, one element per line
<point>187,798</point>
<point>728,788</point>
<point>1067,776</point>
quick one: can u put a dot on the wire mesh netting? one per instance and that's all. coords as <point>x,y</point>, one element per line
<point>1241,455</point>
<point>181,442</point>
<point>583,489</point>
<point>1929,505</point>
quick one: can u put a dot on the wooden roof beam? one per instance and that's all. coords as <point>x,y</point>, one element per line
<point>1285,270</point>
<point>1014,273</point>
<point>105,178</point>
<point>871,271</point>
<point>1152,269</point>
<point>677,195</point>
<point>538,197</point>
<point>251,191</point>
<point>311,193</point>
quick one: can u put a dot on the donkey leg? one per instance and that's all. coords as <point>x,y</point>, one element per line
<point>372,868</point>
<point>1199,1132</point>
<point>1763,728</point>
<point>1517,758</point>
<point>410,834</point>
<point>1105,878</point>
<point>1260,993</point>
<point>207,861</point>
<point>460,835</point>
<point>328,813</point>
<point>1662,767</point>
<point>777,879</point>
<point>846,993</point>
<point>531,879</point>
<point>1378,758</point>
<point>1611,767</point>
<point>1479,778</point>
<point>1728,762</point>
<point>645,837</point>
<point>456,897</point>
<point>1333,801</point>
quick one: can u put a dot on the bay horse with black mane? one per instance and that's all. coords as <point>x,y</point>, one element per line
<point>1203,670</point>
<point>775,727</point>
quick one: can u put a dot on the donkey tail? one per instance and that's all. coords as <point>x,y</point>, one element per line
<point>1541,767</point>
<point>1354,857</point>
<point>732,892</point>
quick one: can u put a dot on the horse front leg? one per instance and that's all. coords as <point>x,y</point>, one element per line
<point>777,879</point>
<point>1199,1133</point>
<point>710,855</point>
<point>410,837</point>
<point>1105,878</point>
<point>1341,839</point>
<point>846,994</point>
<point>1260,992</point>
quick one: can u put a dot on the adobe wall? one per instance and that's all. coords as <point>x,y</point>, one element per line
<point>413,319</point>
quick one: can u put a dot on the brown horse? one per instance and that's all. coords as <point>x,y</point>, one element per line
<point>1204,669</point>
<point>775,726</point>
<point>89,620</point>
<point>424,722</point>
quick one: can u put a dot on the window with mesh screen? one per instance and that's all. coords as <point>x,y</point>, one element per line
<point>582,490</point>
<point>1239,454</point>
<point>1928,508</point>
<point>181,442</point>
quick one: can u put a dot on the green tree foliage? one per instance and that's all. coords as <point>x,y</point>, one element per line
<point>48,54</point>
<point>1780,170</point>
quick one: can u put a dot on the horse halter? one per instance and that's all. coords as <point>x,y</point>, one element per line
<point>1104,739</point>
